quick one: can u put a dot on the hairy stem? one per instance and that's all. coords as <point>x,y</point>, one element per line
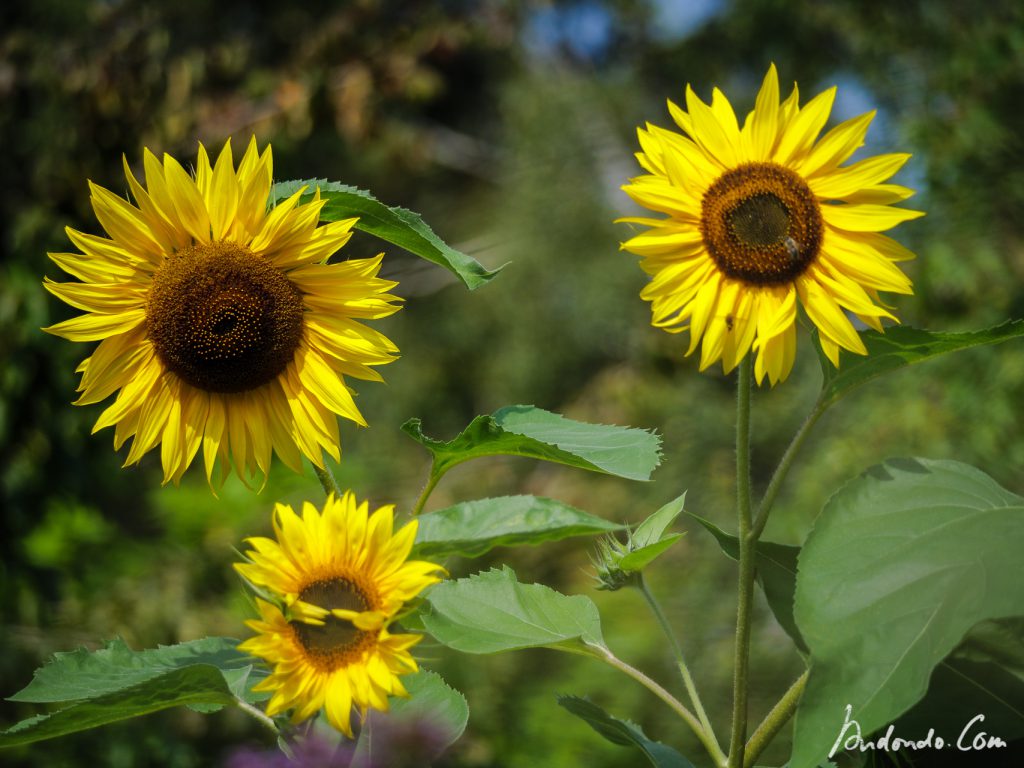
<point>707,739</point>
<point>326,478</point>
<point>748,548</point>
<point>259,715</point>
<point>427,490</point>
<point>774,721</point>
<point>783,468</point>
<point>677,651</point>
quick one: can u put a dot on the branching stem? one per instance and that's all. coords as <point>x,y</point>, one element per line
<point>707,739</point>
<point>774,720</point>
<point>782,469</point>
<point>677,651</point>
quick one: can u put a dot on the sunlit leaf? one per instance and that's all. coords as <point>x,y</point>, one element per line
<point>116,683</point>
<point>639,559</point>
<point>901,564</point>
<point>653,528</point>
<point>83,674</point>
<point>899,347</point>
<point>197,685</point>
<point>492,612</point>
<point>649,540</point>
<point>474,527</point>
<point>394,225</point>
<point>524,430</point>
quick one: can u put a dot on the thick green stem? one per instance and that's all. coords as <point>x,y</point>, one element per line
<point>706,738</point>
<point>427,490</point>
<point>748,548</point>
<point>677,651</point>
<point>259,715</point>
<point>783,468</point>
<point>774,721</point>
<point>326,478</point>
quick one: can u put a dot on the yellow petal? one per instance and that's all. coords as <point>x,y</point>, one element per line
<point>325,385</point>
<point>803,129</point>
<point>865,265</point>
<point>223,195</point>
<point>837,145</point>
<point>212,433</point>
<point>125,224</point>
<point>764,126</point>
<point>701,309</point>
<point>159,226</point>
<point>846,181</point>
<point>709,132</point>
<point>96,327</point>
<point>867,218</point>
<point>187,200</point>
<point>657,194</point>
<point>680,117</point>
<point>156,184</point>
<point>338,703</point>
<point>826,314</point>
<point>90,269</point>
<point>880,194</point>
<point>103,298</point>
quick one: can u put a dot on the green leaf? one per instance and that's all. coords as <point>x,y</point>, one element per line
<point>115,683</point>
<point>776,573</point>
<point>649,541</point>
<point>653,528</point>
<point>1000,642</point>
<point>901,346</point>
<point>474,527</point>
<point>523,430</point>
<point>199,684</point>
<point>983,675</point>
<point>492,612</point>
<point>639,559</point>
<point>395,225</point>
<point>902,562</point>
<point>83,674</point>
<point>434,712</point>
<point>623,733</point>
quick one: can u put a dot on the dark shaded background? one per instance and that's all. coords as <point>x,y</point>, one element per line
<point>509,126</point>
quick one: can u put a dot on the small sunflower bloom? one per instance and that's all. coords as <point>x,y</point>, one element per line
<point>222,326</point>
<point>341,575</point>
<point>761,218</point>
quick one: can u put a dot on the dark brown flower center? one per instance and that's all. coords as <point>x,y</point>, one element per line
<point>223,318</point>
<point>761,224</point>
<point>333,643</point>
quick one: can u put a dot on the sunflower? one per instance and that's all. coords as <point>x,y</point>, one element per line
<point>761,216</point>
<point>221,324</point>
<point>342,576</point>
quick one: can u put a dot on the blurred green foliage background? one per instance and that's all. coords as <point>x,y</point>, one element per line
<point>509,126</point>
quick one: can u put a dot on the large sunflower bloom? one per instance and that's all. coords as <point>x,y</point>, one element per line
<point>761,216</point>
<point>221,324</point>
<point>342,576</point>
